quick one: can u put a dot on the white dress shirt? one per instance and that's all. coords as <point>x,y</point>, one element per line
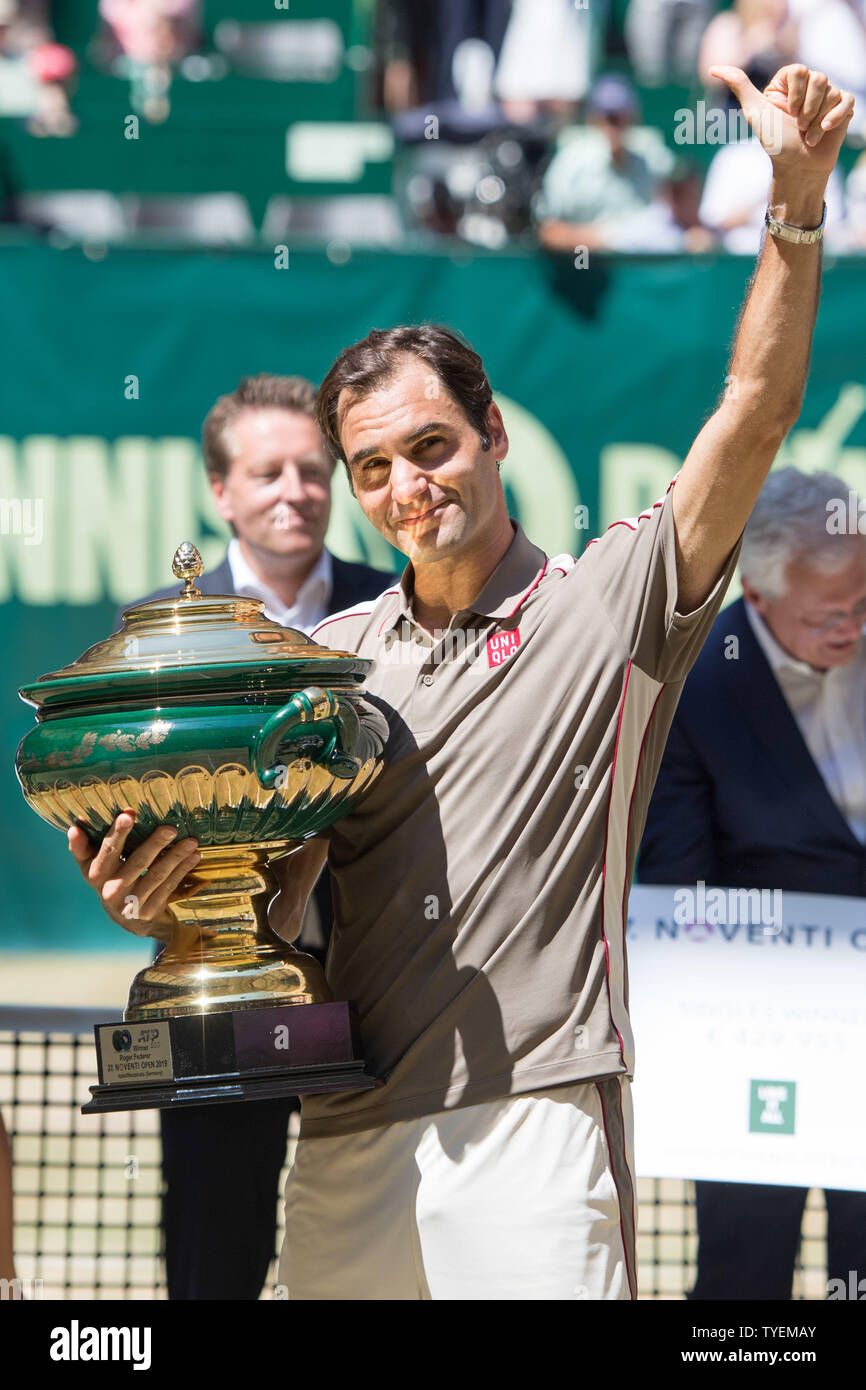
<point>830,711</point>
<point>313,597</point>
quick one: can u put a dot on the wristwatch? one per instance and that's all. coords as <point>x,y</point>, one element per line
<point>806,236</point>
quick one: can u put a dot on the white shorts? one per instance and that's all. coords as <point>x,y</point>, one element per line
<point>529,1197</point>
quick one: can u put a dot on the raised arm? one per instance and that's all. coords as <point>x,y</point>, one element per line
<point>801,120</point>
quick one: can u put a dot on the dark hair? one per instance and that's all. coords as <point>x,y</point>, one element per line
<point>370,363</point>
<point>252,392</point>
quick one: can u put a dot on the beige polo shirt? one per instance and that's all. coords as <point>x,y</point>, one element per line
<point>480,886</point>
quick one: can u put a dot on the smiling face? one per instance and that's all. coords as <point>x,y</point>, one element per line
<point>418,467</point>
<point>820,617</point>
<point>277,492</point>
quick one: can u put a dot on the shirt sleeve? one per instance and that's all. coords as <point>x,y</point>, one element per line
<point>633,569</point>
<point>323,635</point>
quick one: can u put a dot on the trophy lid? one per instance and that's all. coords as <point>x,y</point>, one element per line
<point>177,644</point>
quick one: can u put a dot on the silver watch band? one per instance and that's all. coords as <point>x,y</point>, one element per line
<point>805,236</point>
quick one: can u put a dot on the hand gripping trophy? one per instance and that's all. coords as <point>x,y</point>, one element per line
<point>202,714</point>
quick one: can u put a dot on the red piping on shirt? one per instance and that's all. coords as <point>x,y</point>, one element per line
<point>534,585</point>
<point>627,885</point>
<point>627,523</point>
<point>385,619</point>
<point>604,860</point>
<point>351,613</point>
<point>640,517</point>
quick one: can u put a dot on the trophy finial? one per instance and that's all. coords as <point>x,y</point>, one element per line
<point>187,565</point>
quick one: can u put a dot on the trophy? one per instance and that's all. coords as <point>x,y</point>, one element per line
<point>203,714</point>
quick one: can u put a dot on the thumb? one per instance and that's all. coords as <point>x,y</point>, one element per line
<point>746,93</point>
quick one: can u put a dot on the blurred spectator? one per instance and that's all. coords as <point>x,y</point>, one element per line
<point>547,59</point>
<point>671,222</point>
<point>663,38</point>
<point>36,74</point>
<point>55,69</point>
<point>598,175</point>
<point>831,37</point>
<point>24,24</point>
<point>855,196</point>
<point>735,199</point>
<point>457,21</point>
<point>401,42</point>
<point>152,31</point>
<point>145,40</point>
<point>417,45</point>
<point>753,34</point>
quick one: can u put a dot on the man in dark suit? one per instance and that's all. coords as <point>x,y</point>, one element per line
<point>763,785</point>
<point>271,477</point>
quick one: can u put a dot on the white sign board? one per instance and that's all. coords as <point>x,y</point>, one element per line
<point>750,1038</point>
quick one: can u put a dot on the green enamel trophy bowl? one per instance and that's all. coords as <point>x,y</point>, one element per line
<point>203,714</point>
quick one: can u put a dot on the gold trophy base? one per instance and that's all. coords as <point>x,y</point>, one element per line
<point>222,954</point>
<point>228,1011</point>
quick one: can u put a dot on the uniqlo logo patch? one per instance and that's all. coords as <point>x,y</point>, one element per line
<point>501,646</point>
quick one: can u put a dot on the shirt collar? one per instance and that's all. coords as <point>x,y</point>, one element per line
<point>514,578</point>
<point>777,656</point>
<point>317,585</point>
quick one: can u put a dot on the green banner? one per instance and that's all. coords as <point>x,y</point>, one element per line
<point>110,360</point>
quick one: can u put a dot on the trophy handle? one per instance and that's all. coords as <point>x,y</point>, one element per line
<point>310,706</point>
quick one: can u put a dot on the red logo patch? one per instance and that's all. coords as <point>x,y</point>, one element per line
<point>501,645</point>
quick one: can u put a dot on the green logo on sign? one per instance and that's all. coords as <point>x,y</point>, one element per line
<point>771,1107</point>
